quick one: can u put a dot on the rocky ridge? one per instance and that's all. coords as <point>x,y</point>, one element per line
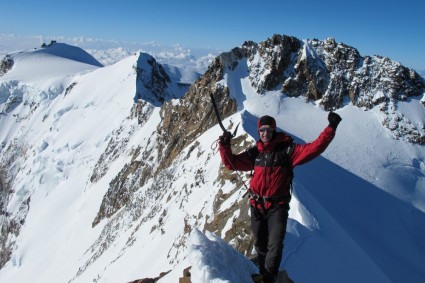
<point>317,70</point>
<point>325,71</point>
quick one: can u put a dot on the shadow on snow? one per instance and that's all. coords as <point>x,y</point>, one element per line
<point>357,232</point>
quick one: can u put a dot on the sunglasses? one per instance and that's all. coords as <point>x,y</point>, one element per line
<point>268,130</point>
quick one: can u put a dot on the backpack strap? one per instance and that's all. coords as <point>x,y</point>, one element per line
<point>252,153</point>
<point>289,151</point>
<point>285,152</point>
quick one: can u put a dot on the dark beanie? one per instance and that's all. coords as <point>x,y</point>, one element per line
<point>267,120</point>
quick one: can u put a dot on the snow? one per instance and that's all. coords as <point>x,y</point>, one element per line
<point>413,110</point>
<point>215,261</point>
<point>357,213</point>
<point>109,52</point>
<point>78,125</point>
<point>58,60</point>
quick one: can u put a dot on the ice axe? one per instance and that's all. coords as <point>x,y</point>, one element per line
<point>217,113</point>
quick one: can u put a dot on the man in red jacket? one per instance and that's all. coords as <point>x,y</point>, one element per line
<point>272,160</point>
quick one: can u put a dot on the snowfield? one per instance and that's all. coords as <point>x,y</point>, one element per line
<point>357,213</point>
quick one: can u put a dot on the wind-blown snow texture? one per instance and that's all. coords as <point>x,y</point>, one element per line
<point>357,215</point>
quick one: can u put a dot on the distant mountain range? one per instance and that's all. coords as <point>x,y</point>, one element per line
<point>110,51</point>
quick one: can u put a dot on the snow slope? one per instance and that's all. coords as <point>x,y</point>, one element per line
<point>358,212</point>
<point>43,64</point>
<point>349,221</point>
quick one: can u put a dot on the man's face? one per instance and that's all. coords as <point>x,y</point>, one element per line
<point>266,133</point>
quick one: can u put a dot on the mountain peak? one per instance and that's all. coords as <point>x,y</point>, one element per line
<point>68,52</point>
<point>333,75</point>
<point>50,62</point>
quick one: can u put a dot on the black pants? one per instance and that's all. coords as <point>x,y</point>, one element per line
<point>269,229</point>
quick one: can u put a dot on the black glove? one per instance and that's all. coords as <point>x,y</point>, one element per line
<point>225,138</point>
<point>334,119</point>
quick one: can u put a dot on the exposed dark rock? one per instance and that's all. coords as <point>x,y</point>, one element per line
<point>184,122</point>
<point>277,54</point>
<point>5,65</point>
<point>152,81</point>
<point>332,73</point>
<point>10,225</point>
<point>150,280</point>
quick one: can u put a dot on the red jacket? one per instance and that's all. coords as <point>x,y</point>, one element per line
<point>272,168</point>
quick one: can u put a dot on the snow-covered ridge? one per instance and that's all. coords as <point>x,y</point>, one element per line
<point>41,74</point>
<point>53,60</point>
<point>125,190</point>
<point>56,125</point>
<point>109,52</point>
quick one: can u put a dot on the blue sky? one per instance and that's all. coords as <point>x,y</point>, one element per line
<point>395,29</point>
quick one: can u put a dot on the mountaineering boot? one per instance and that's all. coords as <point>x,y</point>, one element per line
<point>283,277</point>
<point>257,278</point>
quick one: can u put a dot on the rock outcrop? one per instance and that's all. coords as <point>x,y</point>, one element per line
<point>5,65</point>
<point>333,74</point>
